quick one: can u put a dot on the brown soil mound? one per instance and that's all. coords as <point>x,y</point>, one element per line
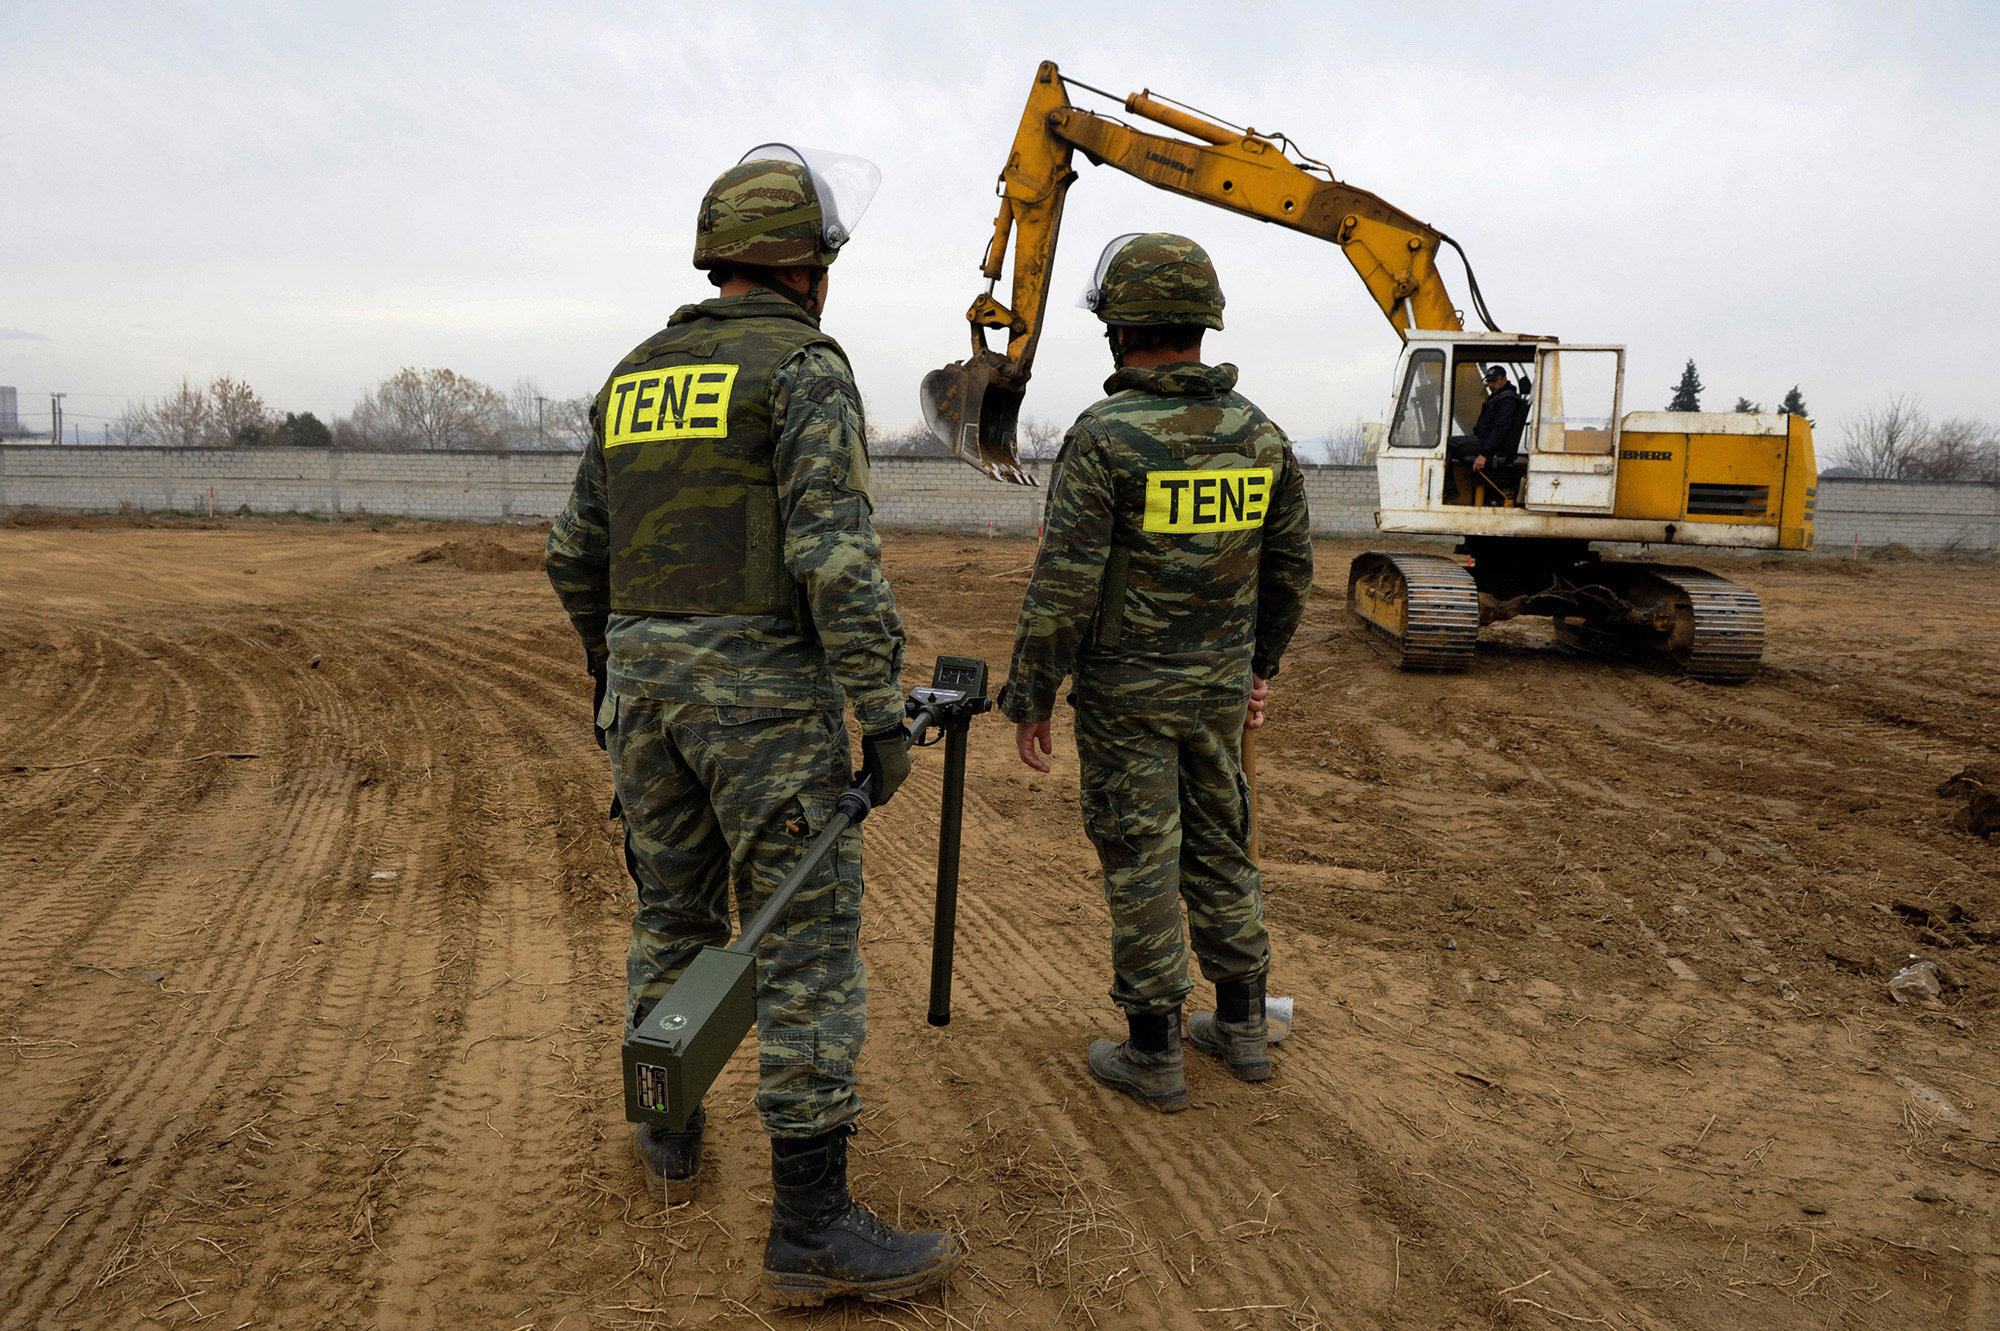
<point>1979,786</point>
<point>481,554</point>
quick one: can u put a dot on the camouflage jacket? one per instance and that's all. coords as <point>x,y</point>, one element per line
<point>853,642</point>
<point>1175,554</point>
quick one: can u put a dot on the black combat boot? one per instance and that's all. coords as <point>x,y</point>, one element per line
<point>1148,1065</point>
<point>672,1159</point>
<point>824,1244</point>
<point>1237,1034</point>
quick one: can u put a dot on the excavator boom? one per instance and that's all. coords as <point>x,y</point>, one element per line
<point>974,404</point>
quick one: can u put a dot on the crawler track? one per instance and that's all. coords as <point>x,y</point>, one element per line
<point>1725,632</point>
<point>1426,605</point>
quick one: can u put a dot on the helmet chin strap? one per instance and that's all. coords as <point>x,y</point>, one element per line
<point>812,300</point>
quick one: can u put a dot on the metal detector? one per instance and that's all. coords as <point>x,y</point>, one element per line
<point>676,1053</point>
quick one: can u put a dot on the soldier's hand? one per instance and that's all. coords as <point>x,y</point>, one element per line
<point>1030,736</point>
<point>1260,689</point>
<point>885,761</point>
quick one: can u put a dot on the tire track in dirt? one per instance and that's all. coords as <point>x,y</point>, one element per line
<point>349,1030</point>
<point>1028,1034</point>
<point>80,894</point>
<point>283,1007</point>
<point>341,1156</point>
<point>232,982</point>
<point>468,869</point>
<point>67,685</point>
<point>500,1096</point>
<point>135,1112</point>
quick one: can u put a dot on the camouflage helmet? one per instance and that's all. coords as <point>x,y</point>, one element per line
<point>1155,278</point>
<point>782,207</point>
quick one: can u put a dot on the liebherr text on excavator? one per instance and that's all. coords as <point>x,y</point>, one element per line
<point>1588,472</point>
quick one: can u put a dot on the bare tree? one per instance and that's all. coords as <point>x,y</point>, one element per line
<point>531,417</point>
<point>236,414</point>
<point>569,423</point>
<point>1037,438</point>
<point>430,409</point>
<point>181,420</point>
<point>1352,445</point>
<point>1959,449</point>
<point>909,441</point>
<point>1898,441</point>
<point>1881,441</point>
<point>135,425</point>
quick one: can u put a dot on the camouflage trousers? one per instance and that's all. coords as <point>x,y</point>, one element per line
<point>1165,803</point>
<point>721,797</point>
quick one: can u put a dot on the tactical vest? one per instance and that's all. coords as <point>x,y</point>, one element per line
<point>1195,481</point>
<point>690,480</point>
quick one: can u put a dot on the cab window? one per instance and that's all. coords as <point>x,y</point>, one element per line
<point>1422,403</point>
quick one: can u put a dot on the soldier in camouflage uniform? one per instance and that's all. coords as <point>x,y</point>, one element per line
<point>719,562</point>
<point>1174,568</point>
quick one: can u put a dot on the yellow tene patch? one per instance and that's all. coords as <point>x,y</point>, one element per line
<point>682,402</point>
<point>1235,499</point>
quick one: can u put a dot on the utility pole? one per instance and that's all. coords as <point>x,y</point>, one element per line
<point>539,400</point>
<point>55,417</point>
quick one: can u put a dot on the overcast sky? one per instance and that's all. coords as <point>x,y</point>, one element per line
<point>311,196</point>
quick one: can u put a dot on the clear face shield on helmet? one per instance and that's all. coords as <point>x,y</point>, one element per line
<point>1093,295</point>
<point>845,185</point>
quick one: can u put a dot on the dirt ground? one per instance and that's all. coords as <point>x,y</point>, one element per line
<point>311,940</point>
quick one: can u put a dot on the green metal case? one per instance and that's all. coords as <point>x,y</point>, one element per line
<point>682,1045</point>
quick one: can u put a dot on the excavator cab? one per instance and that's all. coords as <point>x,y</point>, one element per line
<point>1568,448</point>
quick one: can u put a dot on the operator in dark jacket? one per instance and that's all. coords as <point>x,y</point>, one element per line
<point>1496,435</point>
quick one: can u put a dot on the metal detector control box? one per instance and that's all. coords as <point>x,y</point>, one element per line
<point>957,691</point>
<point>680,1048</point>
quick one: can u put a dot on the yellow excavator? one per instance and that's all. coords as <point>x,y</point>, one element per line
<point>1585,472</point>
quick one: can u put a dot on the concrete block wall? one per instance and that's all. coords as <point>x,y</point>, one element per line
<point>948,495</point>
<point>1342,500</point>
<point>1930,516</point>
<point>925,493</point>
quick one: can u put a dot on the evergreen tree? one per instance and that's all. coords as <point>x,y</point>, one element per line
<point>1793,405</point>
<point>1687,393</point>
<point>302,430</point>
<point>1744,404</point>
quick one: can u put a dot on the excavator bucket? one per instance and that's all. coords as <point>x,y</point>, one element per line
<point>972,411</point>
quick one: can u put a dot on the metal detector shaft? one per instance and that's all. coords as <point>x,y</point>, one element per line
<point>754,932</point>
<point>944,933</point>
<point>853,806</point>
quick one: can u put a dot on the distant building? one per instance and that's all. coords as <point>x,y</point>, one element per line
<point>10,413</point>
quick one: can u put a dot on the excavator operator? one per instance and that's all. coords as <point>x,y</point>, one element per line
<point>1496,435</point>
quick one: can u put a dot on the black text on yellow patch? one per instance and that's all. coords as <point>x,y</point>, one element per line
<point>684,402</point>
<point>1201,501</point>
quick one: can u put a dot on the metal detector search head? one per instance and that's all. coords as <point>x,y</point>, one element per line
<point>972,409</point>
